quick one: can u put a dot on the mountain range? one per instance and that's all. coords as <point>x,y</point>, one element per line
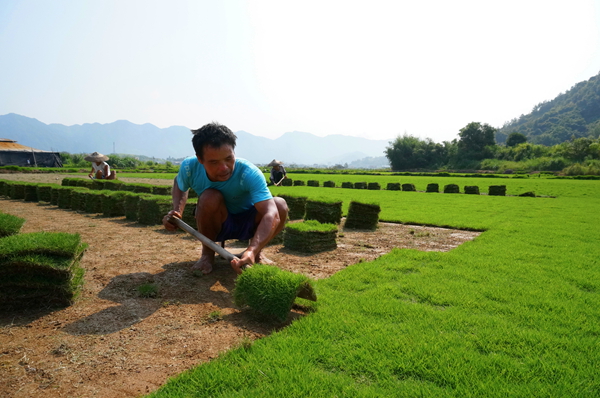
<point>573,114</point>
<point>175,142</point>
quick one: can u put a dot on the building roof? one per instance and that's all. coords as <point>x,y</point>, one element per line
<point>11,145</point>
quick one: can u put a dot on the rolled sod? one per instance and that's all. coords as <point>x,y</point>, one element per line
<point>296,206</point>
<point>9,224</point>
<point>270,290</point>
<point>324,211</point>
<point>310,236</point>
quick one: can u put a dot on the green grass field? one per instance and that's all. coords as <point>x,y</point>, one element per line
<point>514,313</point>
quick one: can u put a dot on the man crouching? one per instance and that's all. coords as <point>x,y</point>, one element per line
<point>233,199</point>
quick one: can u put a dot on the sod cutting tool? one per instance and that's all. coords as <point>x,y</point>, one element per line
<point>269,284</point>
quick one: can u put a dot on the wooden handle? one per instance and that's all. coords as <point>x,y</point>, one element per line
<point>212,245</point>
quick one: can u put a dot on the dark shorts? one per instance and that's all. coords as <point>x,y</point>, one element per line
<point>238,226</point>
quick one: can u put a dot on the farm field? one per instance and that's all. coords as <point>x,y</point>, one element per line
<point>512,313</point>
<point>113,342</point>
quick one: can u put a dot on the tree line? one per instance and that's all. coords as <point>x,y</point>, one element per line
<point>476,149</point>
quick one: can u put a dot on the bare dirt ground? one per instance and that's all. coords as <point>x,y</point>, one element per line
<point>114,343</point>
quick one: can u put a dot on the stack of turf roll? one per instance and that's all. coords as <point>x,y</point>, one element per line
<point>271,290</point>
<point>360,185</point>
<point>130,205</point>
<point>64,197</point>
<point>85,183</point>
<point>78,199</point>
<point>472,189</point>
<point>374,186</point>
<point>161,190</point>
<point>31,193</point>
<point>310,236</point>
<point>451,188</point>
<point>152,209</point>
<point>296,206</point>
<point>40,269</point>
<point>347,184</point>
<point>2,188</point>
<point>9,224</point>
<point>497,190</point>
<point>287,182</point>
<point>299,183</point>
<point>44,192</point>
<point>324,211</point>
<point>329,184</point>
<point>17,190</point>
<point>409,187</point>
<point>113,203</point>
<point>313,183</point>
<point>393,186</point>
<point>362,216</point>
<point>433,187</point>
<point>93,201</point>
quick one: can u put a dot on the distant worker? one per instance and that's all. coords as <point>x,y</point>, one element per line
<point>233,199</point>
<point>100,169</point>
<point>278,172</point>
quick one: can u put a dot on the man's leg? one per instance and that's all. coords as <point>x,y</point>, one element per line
<point>282,208</point>
<point>211,213</point>
<point>112,176</point>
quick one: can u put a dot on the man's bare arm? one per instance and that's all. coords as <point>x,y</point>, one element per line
<point>179,200</point>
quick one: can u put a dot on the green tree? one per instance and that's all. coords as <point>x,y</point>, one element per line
<point>515,139</point>
<point>474,140</point>
<point>409,152</point>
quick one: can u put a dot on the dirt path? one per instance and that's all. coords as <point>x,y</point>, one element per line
<point>112,342</point>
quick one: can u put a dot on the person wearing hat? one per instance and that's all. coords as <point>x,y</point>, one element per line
<point>278,172</point>
<point>100,169</point>
<point>233,199</point>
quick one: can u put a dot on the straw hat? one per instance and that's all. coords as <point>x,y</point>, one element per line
<point>96,157</point>
<point>275,162</point>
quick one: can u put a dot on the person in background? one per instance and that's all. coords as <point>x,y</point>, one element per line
<point>233,199</point>
<point>100,169</point>
<point>278,172</point>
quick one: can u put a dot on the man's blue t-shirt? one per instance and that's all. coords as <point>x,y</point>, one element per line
<point>241,191</point>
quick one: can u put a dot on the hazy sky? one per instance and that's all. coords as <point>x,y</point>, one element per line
<point>370,68</point>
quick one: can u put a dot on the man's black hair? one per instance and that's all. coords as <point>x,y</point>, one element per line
<point>214,135</point>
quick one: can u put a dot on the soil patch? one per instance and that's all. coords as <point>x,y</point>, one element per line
<point>112,342</point>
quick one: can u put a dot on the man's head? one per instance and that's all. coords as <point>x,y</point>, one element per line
<point>214,145</point>
<point>214,135</point>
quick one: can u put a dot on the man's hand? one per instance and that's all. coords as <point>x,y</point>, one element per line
<point>168,226</point>
<point>247,260</point>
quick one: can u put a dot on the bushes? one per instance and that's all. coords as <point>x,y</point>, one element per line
<point>362,216</point>
<point>310,236</point>
<point>324,212</point>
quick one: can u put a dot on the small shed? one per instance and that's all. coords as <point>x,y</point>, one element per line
<point>13,154</point>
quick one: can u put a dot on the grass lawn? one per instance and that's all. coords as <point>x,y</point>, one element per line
<point>516,312</point>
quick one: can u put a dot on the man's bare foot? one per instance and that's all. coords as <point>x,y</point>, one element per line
<point>204,265</point>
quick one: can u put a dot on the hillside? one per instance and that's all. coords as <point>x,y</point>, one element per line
<point>573,113</point>
<point>125,137</point>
